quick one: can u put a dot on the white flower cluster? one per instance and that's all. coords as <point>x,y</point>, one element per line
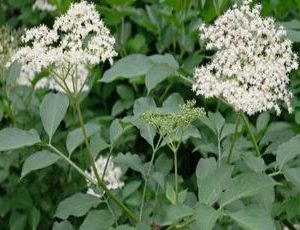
<point>252,61</point>
<point>8,44</point>
<point>43,5</point>
<point>112,176</point>
<point>78,39</point>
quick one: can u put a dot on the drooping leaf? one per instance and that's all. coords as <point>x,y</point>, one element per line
<point>14,138</point>
<point>13,72</point>
<point>157,74</point>
<point>206,217</point>
<point>52,110</point>
<point>257,164</point>
<point>76,205</point>
<point>115,130</point>
<point>246,185</point>
<point>17,221</point>
<point>38,160</point>
<point>170,193</point>
<point>253,218</point>
<point>128,67</point>
<point>34,218</point>
<point>131,161</point>
<point>174,213</point>
<point>205,167</point>
<point>293,175</point>
<point>262,121</point>
<point>288,151</point>
<point>211,187</point>
<point>140,106</point>
<point>124,227</point>
<point>63,225</point>
<point>97,219</point>
<point>165,59</point>
<point>75,137</point>
<point>172,102</point>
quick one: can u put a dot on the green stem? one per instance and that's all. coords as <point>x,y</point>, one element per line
<point>219,151</point>
<point>235,135</point>
<point>69,161</point>
<point>106,163</point>
<point>176,176</point>
<point>175,150</point>
<point>252,137</point>
<point>85,136</point>
<point>154,150</point>
<point>100,183</point>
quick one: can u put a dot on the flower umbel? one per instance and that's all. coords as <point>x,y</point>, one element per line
<point>78,40</point>
<point>112,176</point>
<point>252,61</point>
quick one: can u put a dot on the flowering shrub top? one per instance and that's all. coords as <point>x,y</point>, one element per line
<point>78,39</point>
<point>252,61</point>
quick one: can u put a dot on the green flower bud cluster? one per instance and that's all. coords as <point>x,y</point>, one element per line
<point>172,123</point>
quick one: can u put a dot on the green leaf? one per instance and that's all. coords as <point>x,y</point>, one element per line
<point>218,121</point>
<point>131,161</point>
<point>246,185</point>
<point>157,74</point>
<point>63,225</point>
<point>97,219</point>
<point>206,217</point>
<point>13,72</point>
<point>14,138</point>
<point>257,164</point>
<point>262,121</point>
<point>165,59</point>
<point>53,109</point>
<point>77,205</point>
<point>97,144</point>
<point>17,221</point>
<point>34,218</point>
<point>172,102</point>
<point>253,218</point>
<point>38,160</point>
<point>130,188</point>
<point>211,187</point>
<point>174,213</point>
<point>75,137</point>
<point>293,175</point>
<point>288,151</point>
<point>170,193</point>
<point>294,35</point>
<point>115,130</point>
<point>125,92</point>
<point>140,106</point>
<point>124,227</point>
<point>205,167</point>
<point>128,67</point>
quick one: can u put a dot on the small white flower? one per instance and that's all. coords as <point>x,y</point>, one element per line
<point>79,39</point>
<point>252,61</point>
<point>112,176</point>
<point>43,5</point>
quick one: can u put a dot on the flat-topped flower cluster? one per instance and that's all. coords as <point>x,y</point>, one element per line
<point>112,174</point>
<point>252,61</point>
<point>78,39</point>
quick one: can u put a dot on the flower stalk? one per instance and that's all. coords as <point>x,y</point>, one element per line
<point>234,138</point>
<point>252,137</point>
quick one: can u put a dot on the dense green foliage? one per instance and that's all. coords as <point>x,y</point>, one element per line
<point>158,47</point>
